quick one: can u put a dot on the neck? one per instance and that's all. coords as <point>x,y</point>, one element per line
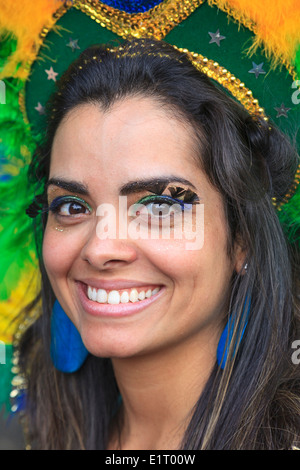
<point>159,392</point>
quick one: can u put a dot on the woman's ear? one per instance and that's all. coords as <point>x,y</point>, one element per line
<point>240,255</point>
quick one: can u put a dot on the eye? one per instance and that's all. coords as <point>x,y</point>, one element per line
<point>158,206</point>
<point>72,208</point>
<point>159,209</point>
<point>69,206</point>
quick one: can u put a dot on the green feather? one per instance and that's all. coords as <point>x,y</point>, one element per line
<point>289,216</point>
<point>297,62</point>
<point>16,148</point>
<point>8,46</point>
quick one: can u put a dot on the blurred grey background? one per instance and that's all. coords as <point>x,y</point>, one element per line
<point>11,435</point>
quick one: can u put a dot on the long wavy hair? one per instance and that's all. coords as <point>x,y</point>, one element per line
<point>254,402</point>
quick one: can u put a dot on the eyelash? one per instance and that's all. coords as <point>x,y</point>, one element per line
<point>165,199</point>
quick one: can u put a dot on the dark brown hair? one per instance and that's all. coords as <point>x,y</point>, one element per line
<point>254,402</point>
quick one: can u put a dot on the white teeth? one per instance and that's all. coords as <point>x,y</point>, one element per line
<point>124,297</point>
<point>89,292</point>
<point>114,296</point>
<point>141,295</point>
<point>94,294</point>
<point>134,296</point>
<point>148,293</point>
<point>102,296</point>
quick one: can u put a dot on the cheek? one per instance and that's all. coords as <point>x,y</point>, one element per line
<point>169,256</point>
<point>208,264</point>
<point>58,252</point>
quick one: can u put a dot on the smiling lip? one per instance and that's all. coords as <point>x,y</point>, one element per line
<point>113,310</point>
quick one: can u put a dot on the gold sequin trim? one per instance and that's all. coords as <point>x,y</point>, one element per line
<point>291,191</point>
<point>19,383</point>
<point>233,84</point>
<point>209,67</point>
<point>154,23</point>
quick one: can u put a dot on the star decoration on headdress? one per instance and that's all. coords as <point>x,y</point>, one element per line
<point>216,38</point>
<point>40,109</point>
<point>73,44</point>
<point>51,74</point>
<point>282,111</point>
<point>257,69</point>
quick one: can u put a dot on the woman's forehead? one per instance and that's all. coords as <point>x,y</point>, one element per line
<point>134,132</point>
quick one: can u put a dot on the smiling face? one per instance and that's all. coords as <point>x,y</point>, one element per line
<point>133,295</point>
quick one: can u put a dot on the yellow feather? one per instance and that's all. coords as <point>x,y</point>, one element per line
<point>276,24</point>
<point>24,293</point>
<point>25,20</point>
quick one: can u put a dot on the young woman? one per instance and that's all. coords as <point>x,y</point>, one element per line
<point>162,245</point>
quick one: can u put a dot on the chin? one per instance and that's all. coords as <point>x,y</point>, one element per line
<point>109,347</point>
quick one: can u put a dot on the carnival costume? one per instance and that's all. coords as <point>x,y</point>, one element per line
<point>251,49</point>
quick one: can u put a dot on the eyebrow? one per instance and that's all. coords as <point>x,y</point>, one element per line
<point>72,186</point>
<point>156,184</point>
<point>153,184</point>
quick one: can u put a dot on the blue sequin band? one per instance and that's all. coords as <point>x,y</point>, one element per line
<point>133,6</point>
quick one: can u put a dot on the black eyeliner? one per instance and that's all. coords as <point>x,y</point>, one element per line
<point>58,201</point>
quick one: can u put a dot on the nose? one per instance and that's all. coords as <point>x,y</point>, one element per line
<point>108,253</point>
